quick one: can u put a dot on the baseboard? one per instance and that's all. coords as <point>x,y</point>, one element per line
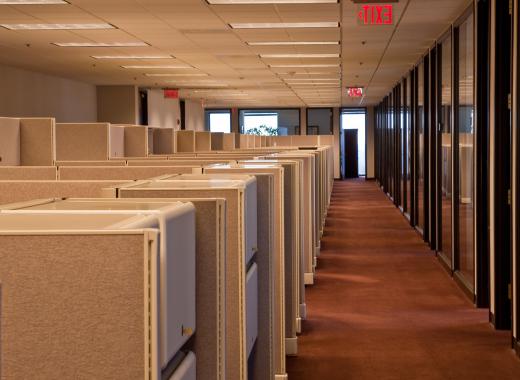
<point>303,311</point>
<point>317,251</point>
<point>315,262</point>
<point>298,325</point>
<point>281,377</point>
<point>492,318</point>
<point>308,278</point>
<point>516,346</point>
<point>291,346</point>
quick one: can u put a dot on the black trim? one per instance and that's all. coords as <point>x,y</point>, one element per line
<point>331,120</point>
<point>481,154</point>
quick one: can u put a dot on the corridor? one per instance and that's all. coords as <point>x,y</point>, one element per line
<point>383,307</point>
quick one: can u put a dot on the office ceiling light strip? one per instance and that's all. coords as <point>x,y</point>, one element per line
<point>101,44</point>
<point>176,75</point>
<point>305,65</point>
<point>95,26</point>
<point>132,57</point>
<point>297,55</point>
<point>156,67</point>
<point>232,2</point>
<point>290,43</point>
<point>284,25</point>
<point>33,2</point>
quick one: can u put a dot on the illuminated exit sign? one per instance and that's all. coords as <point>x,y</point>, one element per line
<point>376,14</point>
<point>355,92</point>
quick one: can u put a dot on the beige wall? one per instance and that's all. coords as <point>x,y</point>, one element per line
<point>118,104</point>
<point>370,152</point>
<point>26,93</point>
<point>194,115</point>
<point>163,112</point>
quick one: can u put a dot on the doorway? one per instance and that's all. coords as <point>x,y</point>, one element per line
<point>353,141</point>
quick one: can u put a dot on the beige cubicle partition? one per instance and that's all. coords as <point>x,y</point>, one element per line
<point>116,142</point>
<point>61,321</point>
<point>184,141</point>
<point>9,141</point>
<point>79,142</point>
<point>37,141</point>
<point>241,244</point>
<point>123,172</point>
<point>203,141</point>
<point>271,343</point>
<point>92,163</point>
<point>136,141</point>
<point>13,191</point>
<point>308,209</point>
<point>163,141</point>
<point>229,142</point>
<point>217,141</point>
<point>176,223</point>
<point>28,173</point>
<point>295,309</point>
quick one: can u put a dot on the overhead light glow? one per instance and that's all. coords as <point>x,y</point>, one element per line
<point>283,25</point>
<point>306,65</point>
<point>101,44</point>
<point>289,55</point>
<point>176,75</point>
<point>57,26</point>
<point>219,2</point>
<point>32,2</point>
<point>132,56</point>
<point>156,67</point>
<point>284,43</point>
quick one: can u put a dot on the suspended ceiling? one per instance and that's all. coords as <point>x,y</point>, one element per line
<point>222,66</point>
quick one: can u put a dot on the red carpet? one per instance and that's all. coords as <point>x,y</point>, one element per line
<point>384,308</point>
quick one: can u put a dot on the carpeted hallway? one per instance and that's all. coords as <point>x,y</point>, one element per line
<point>383,307</point>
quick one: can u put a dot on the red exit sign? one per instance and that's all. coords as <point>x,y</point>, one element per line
<point>171,93</point>
<point>376,14</point>
<point>355,92</point>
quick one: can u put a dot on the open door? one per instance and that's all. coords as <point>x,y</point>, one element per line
<point>351,153</point>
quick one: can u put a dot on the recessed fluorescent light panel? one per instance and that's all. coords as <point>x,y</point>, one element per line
<point>32,2</point>
<point>132,57</point>
<point>155,67</point>
<point>278,25</point>
<point>290,43</point>
<point>176,75</point>
<point>333,55</point>
<point>218,2</point>
<point>58,26</point>
<point>306,65</point>
<point>101,44</point>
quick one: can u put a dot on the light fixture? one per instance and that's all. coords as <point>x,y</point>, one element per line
<point>32,2</point>
<point>176,75</point>
<point>57,26</point>
<point>306,65</point>
<point>101,44</point>
<point>292,80</point>
<point>313,84</point>
<point>284,43</point>
<point>278,25</point>
<point>290,55</point>
<point>156,67</point>
<point>132,56</point>
<point>227,2</point>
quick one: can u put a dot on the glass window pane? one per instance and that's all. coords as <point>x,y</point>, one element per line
<point>446,150</point>
<point>465,115</point>
<point>409,143</point>
<point>420,147</point>
<point>272,122</point>
<point>218,120</point>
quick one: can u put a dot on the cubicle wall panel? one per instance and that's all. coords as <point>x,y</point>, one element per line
<point>136,141</point>
<point>125,173</point>
<point>9,142</point>
<point>77,142</point>
<point>49,301</point>
<point>32,173</point>
<point>37,141</point>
